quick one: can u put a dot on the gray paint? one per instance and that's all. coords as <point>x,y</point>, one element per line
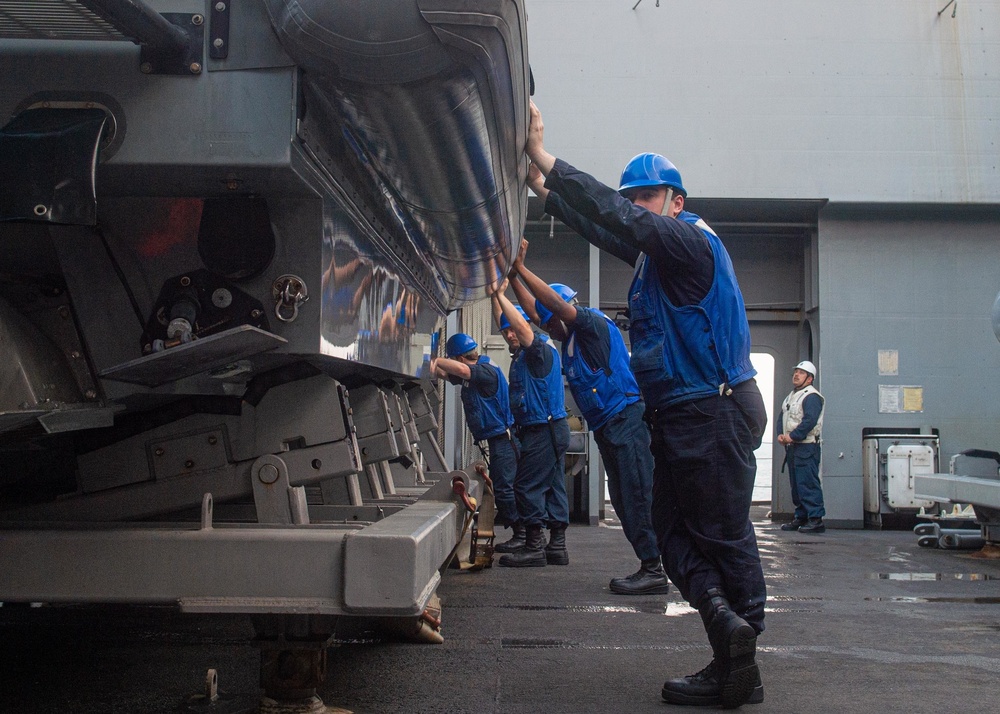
<point>883,113</point>
<point>848,100</point>
<point>920,285</point>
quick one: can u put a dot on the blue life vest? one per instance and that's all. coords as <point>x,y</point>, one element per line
<point>487,416</point>
<point>690,351</point>
<point>536,400</point>
<point>600,394</point>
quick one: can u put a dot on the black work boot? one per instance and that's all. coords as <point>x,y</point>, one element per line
<point>703,689</point>
<point>734,643</point>
<point>516,541</point>
<point>648,580</point>
<point>793,525</point>
<point>532,555</point>
<point>815,526</point>
<point>555,551</point>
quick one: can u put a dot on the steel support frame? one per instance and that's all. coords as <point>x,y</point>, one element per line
<point>388,568</point>
<point>982,493</point>
<point>958,489</point>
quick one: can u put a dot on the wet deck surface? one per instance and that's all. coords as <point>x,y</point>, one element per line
<point>857,621</point>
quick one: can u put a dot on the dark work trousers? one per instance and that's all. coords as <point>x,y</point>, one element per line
<point>803,473</point>
<point>503,467</point>
<point>540,483</point>
<point>624,444</point>
<point>702,490</point>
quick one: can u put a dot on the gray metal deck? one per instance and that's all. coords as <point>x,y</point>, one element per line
<point>858,621</point>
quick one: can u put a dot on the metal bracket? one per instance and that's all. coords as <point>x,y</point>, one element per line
<point>373,424</point>
<point>269,475</point>
<point>48,158</point>
<point>185,57</point>
<point>218,30</point>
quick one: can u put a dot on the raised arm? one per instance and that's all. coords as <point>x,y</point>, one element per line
<point>445,367</point>
<point>627,228</point>
<point>536,182</point>
<point>497,310</point>
<point>540,289</point>
<point>586,228</point>
<point>590,231</point>
<point>524,298</point>
<point>534,147</point>
<point>525,335</point>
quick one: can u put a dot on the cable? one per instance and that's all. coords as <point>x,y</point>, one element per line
<point>121,278</point>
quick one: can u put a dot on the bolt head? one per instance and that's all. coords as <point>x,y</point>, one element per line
<point>268,473</point>
<point>195,67</point>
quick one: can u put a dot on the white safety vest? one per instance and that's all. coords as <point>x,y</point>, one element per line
<point>792,413</point>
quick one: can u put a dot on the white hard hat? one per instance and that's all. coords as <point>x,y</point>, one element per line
<point>807,366</point>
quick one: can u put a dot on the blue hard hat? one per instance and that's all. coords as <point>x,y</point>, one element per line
<point>505,323</point>
<point>651,170</point>
<point>544,314</point>
<point>458,344</point>
<point>564,291</point>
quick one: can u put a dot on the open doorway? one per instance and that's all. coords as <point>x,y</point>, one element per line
<point>764,364</point>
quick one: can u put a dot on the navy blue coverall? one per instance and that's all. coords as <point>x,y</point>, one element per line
<point>622,437</point>
<point>485,380</point>
<point>540,417</point>
<point>803,463</point>
<point>702,443</point>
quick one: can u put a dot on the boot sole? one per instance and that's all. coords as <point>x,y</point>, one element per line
<point>523,563</point>
<point>711,700</point>
<point>557,559</point>
<point>742,675</point>
<point>655,590</point>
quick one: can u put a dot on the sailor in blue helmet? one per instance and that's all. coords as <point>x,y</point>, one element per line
<point>486,402</point>
<point>538,403</point>
<point>691,357</point>
<point>595,361</point>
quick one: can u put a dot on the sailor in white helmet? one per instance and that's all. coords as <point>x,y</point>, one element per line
<point>801,425</point>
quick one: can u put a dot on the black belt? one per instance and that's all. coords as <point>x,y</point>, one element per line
<point>651,415</point>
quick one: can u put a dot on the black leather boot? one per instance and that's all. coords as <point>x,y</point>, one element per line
<point>734,643</point>
<point>792,525</point>
<point>555,551</point>
<point>703,689</point>
<point>648,580</point>
<point>815,526</point>
<point>516,541</point>
<point>532,555</point>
